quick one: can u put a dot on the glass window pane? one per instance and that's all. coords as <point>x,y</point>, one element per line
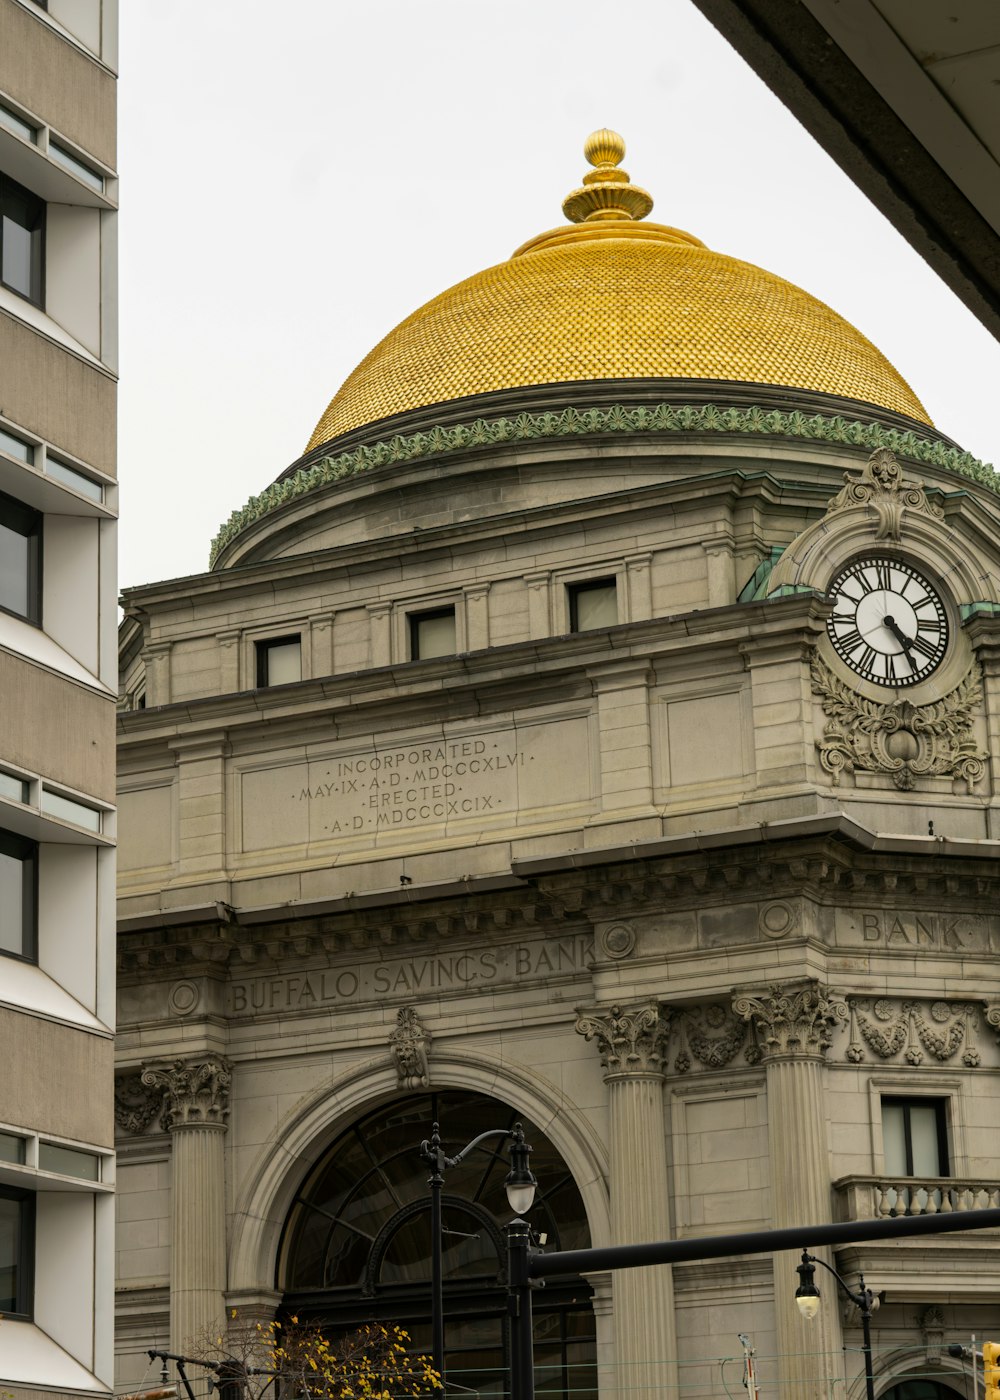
<point>84,484</point>
<point>81,171</point>
<point>13,914</point>
<point>596,606</point>
<point>924,1138</point>
<point>15,556</point>
<point>10,1250</point>
<point>11,1149</point>
<point>284,663</point>
<point>894,1139</point>
<point>433,635</point>
<point>69,1161</point>
<point>17,250</point>
<point>70,811</point>
<point>14,788</point>
<point>16,447</point>
<point>17,124</point>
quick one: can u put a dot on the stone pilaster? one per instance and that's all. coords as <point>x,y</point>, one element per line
<point>156,659</point>
<point>640,588</point>
<point>195,1109</point>
<point>477,616</point>
<point>539,616</point>
<point>379,623</point>
<point>633,1047</point>
<point>229,661</point>
<point>792,1024</point>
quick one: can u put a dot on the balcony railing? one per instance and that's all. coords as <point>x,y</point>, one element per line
<point>879,1197</point>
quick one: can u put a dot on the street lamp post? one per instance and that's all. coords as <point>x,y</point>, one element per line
<point>519,1185</point>
<point>807,1299</point>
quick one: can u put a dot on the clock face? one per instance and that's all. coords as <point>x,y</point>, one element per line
<point>889,623</point>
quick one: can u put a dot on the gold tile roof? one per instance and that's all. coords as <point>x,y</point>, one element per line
<point>613,298</point>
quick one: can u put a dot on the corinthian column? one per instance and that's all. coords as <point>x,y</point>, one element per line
<point>195,1108</point>
<point>632,1044</point>
<point>793,1023</point>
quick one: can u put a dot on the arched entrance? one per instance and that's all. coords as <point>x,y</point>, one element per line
<point>356,1244</point>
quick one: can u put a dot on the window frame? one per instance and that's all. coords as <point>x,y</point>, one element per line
<point>262,648</point>
<point>940,1105</point>
<point>590,585</point>
<point>7,182</point>
<point>25,520</point>
<point>23,848</point>
<point>24,1302</point>
<point>413,622</point>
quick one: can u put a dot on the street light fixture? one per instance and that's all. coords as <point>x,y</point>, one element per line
<point>807,1301</point>
<point>520,1187</point>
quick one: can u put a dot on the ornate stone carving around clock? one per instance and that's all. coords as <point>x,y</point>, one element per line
<point>894,737</point>
<point>882,487</point>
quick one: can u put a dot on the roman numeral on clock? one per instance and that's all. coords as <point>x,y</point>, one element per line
<point>924,646</point>
<point>850,639</point>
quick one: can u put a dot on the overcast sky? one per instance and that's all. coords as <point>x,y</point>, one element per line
<point>297,178</point>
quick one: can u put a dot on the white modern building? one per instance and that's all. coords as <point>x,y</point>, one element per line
<point>597,727</point>
<point>58,501</point>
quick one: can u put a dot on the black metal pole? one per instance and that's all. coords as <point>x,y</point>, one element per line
<point>522,1368</point>
<point>635,1256</point>
<point>864,1301</point>
<point>431,1152</point>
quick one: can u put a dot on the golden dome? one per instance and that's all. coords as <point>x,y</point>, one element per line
<point>613,298</point>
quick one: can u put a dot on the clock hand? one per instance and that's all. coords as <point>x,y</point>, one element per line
<point>905,642</point>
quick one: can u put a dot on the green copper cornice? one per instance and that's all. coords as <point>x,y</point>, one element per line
<point>571,422</point>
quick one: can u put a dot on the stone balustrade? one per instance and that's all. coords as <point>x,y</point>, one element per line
<point>878,1197</point>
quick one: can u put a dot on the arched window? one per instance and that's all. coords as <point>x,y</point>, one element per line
<point>356,1246</point>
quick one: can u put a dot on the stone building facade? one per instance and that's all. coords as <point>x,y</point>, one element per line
<point>58,687</point>
<point>516,759</point>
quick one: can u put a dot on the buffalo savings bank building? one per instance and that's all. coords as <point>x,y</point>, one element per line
<point>597,727</point>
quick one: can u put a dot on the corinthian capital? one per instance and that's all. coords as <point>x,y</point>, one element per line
<point>630,1042</point>
<point>791,1018</point>
<point>195,1092</point>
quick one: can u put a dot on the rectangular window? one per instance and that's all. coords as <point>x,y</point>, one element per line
<point>20,560</point>
<point>914,1137</point>
<point>14,787</point>
<point>69,1161</point>
<point>69,476</point>
<point>76,167</point>
<point>17,1250</point>
<point>18,125</point>
<point>18,896</point>
<point>593,604</point>
<point>279,661</point>
<point>12,1148</point>
<point>17,447</point>
<point>69,810</point>
<point>22,238</point>
<point>432,634</point>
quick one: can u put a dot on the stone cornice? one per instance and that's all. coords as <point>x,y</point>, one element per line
<point>661,419</point>
<point>683,873</point>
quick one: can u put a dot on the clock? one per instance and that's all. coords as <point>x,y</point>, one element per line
<point>889,624</point>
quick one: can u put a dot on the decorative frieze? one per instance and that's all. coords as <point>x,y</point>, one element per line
<point>791,1019</point>
<point>902,741</point>
<point>883,487</point>
<point>409,1047</point>
<point>912,1030</point>
<point>195,1092</point>
<point>713,1036</point>
<point>630,1042</point>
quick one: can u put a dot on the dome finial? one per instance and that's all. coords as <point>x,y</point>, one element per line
<point>606,192</point>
